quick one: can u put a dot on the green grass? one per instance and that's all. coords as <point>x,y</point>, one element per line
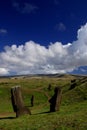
<point>71,116</point>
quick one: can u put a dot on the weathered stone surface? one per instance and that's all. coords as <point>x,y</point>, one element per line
<point>55,101</point>
<point>73,84</point>
<point>17,102</point>
<point>32,100</point>
<point>49,87</point>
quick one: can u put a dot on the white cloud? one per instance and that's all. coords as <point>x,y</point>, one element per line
<point>32,58</point>
<point>4,71</point>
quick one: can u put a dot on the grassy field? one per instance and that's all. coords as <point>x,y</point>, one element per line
<point>73,110</point>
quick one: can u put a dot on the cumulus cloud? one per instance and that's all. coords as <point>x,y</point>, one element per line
<point>4,71</point>
<point>33,58</point>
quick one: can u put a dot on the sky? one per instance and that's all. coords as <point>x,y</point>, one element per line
<point>43,36</point>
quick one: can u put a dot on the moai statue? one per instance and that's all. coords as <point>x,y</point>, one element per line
<point>17,102</point>
<point>55,101</point>
<point>32,100</point>
<point>49,87</point>
<point>73,84</point>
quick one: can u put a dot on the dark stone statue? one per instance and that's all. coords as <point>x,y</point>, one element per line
<point>73,84</point>
<point>55,101</point>
<point>17,102</point>
<point>49,87</point>
<point>32,100</point>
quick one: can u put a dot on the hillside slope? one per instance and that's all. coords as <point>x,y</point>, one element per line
<point>73,109</point>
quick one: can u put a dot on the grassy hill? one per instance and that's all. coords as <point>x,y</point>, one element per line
<point>73,109</point>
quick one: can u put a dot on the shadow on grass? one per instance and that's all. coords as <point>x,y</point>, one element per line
<point>3,118</point>
<point>41,113</point>
<point>29,106</point>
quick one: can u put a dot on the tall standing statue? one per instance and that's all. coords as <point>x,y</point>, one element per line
<point>55,101</point>
<point>17,102</point>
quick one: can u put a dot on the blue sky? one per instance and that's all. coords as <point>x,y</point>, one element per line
<point>39,24</point>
